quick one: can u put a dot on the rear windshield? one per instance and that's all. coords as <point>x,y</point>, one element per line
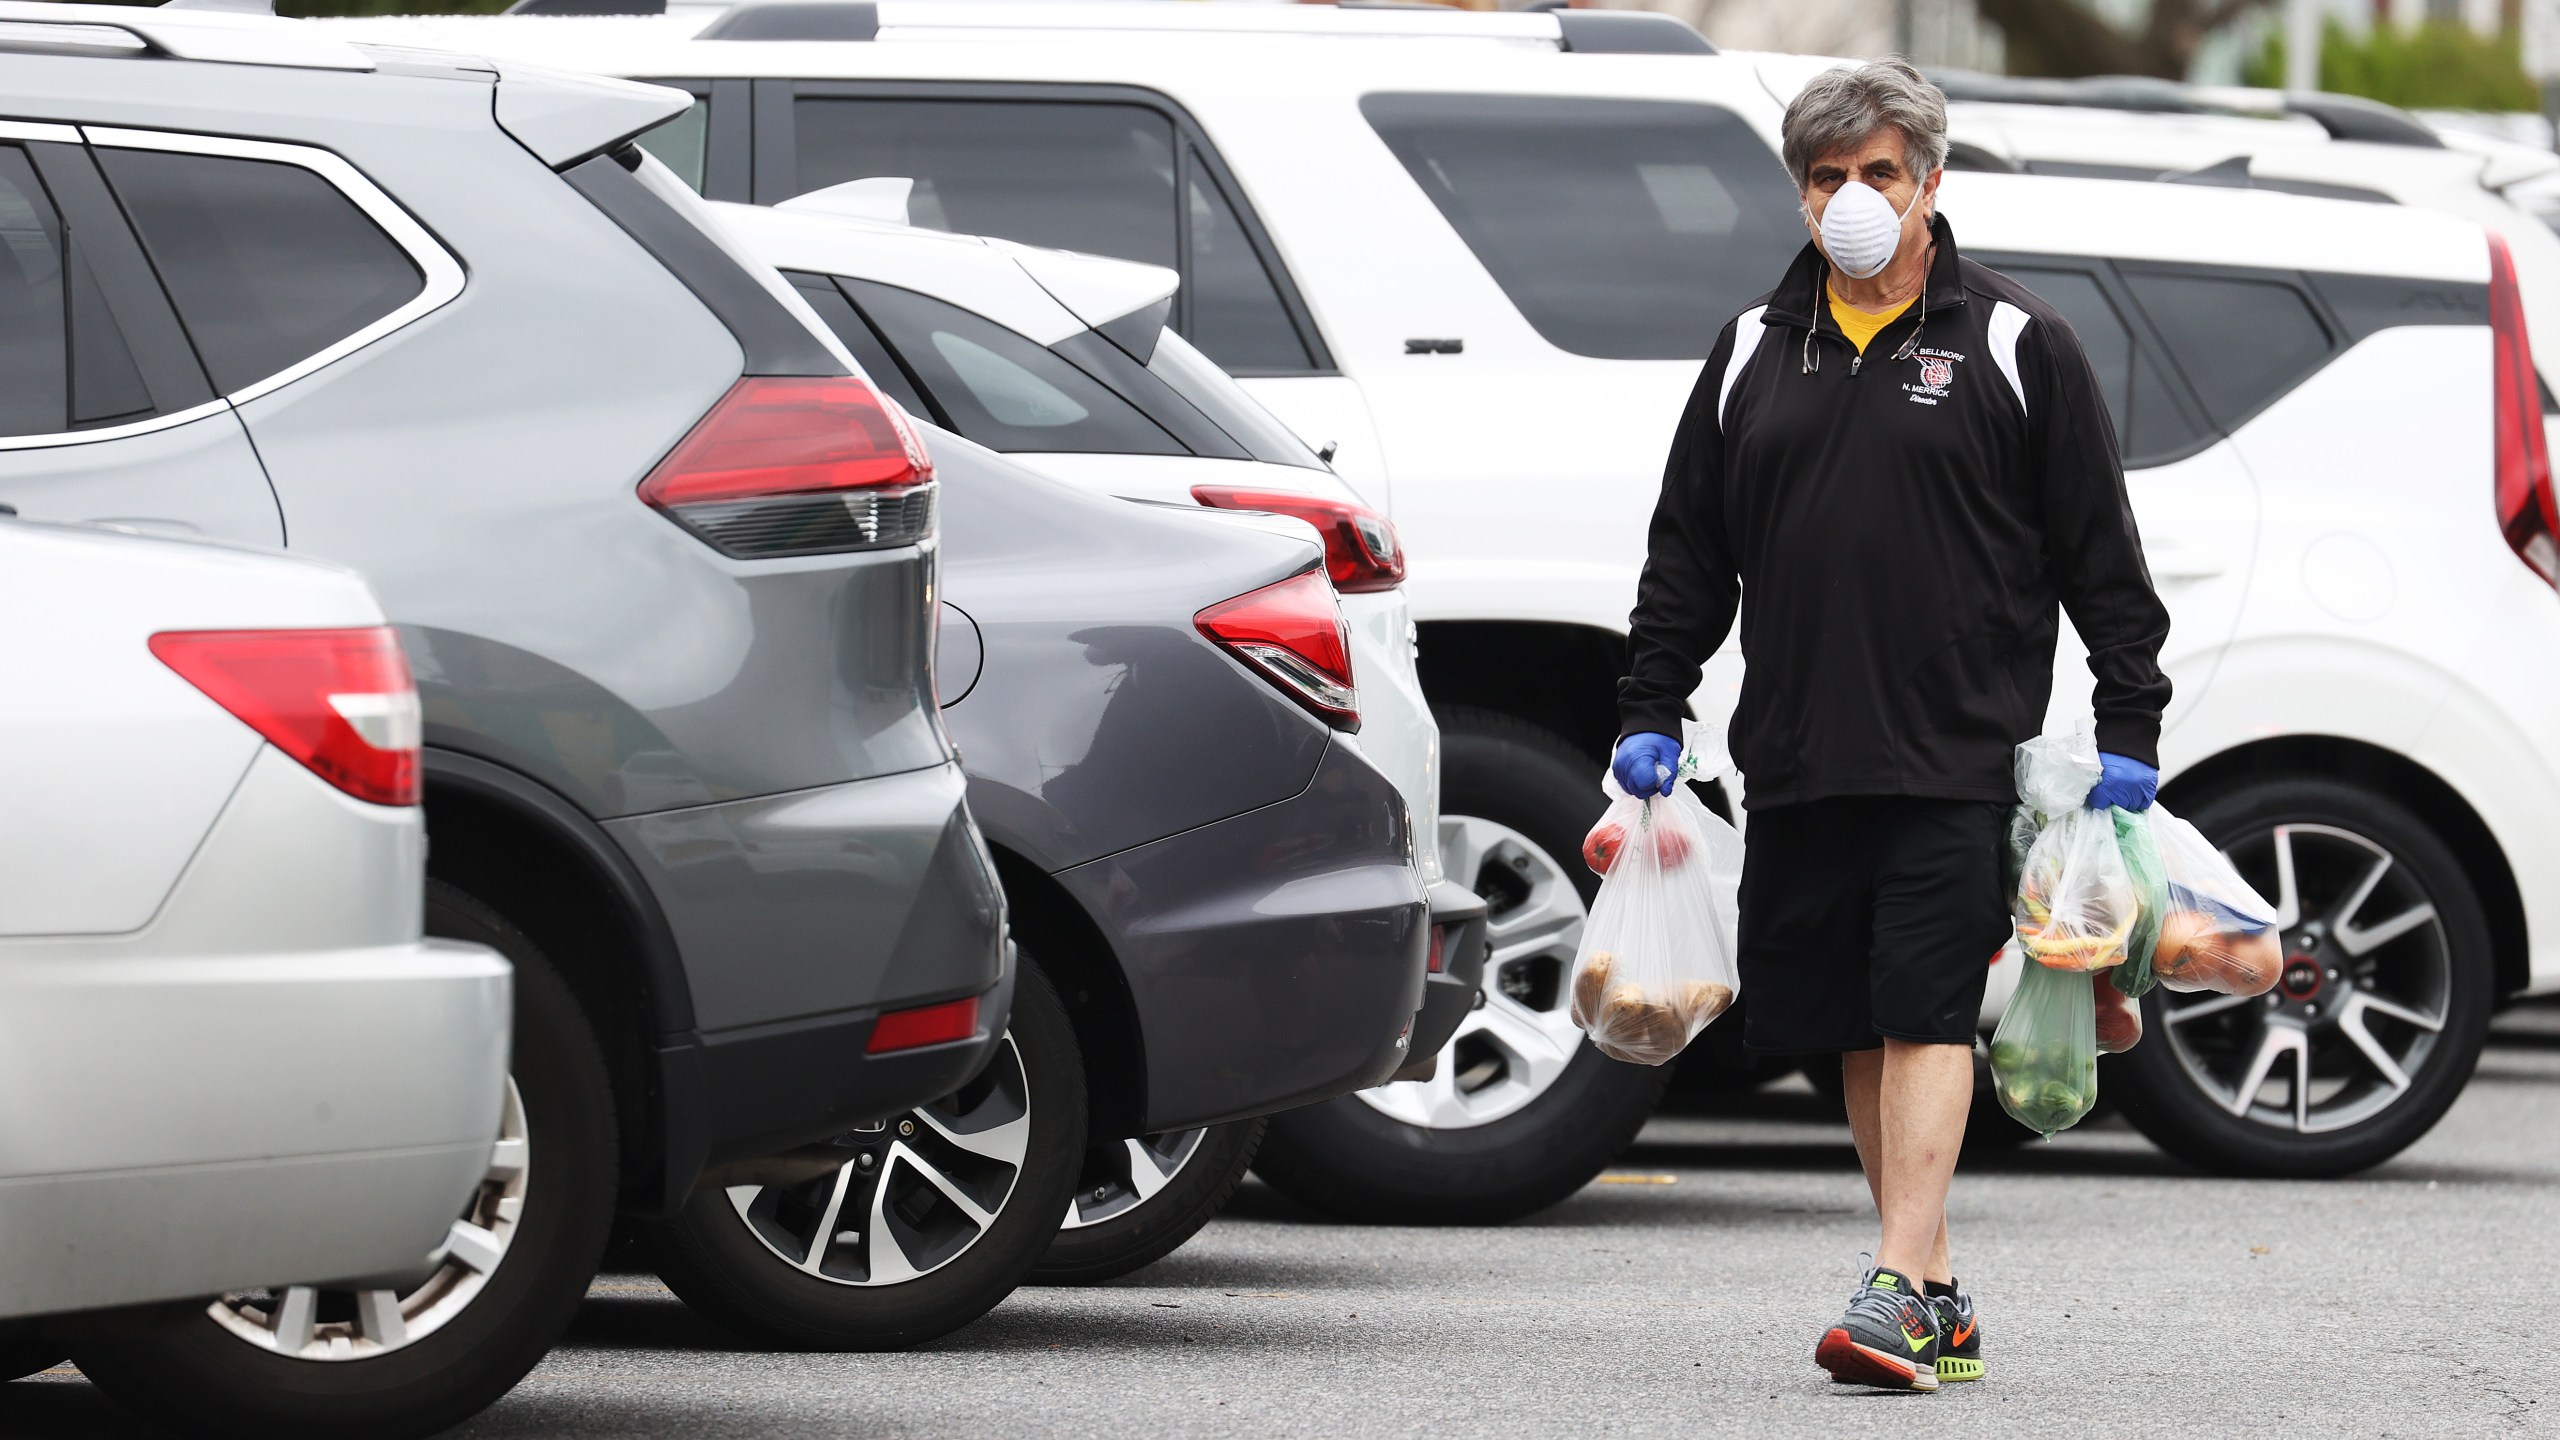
<point>1622,229</point>
<point>1196,378</point>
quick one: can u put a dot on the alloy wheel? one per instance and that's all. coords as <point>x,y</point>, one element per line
<point>1520,1037</point>
<point>2362,999</point>
<point>307,1322</point>
<point>914,1192</point>
<point>1120,1176</point>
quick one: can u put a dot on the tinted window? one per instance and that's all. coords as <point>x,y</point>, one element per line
<point>1625,229</point>
<point>857,335</point>
<point>679,143</point>
<point>34,370</point>
<point>1236,314</point>
<point>267,263</point>
<point>1097,178</point>
<point>1211,392</point>
<point>2241,343</point>
<point>1000,389</point>
<point>1090,176</point>
<point>64,364</point>
<point>2150,426</point>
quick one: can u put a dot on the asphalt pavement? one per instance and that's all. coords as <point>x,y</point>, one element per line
<point>2122,1294</point>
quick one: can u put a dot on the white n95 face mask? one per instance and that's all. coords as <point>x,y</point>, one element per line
<point>1860,232</point>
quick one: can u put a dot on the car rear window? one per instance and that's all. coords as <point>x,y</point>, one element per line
<point>267,263</point>
<point>2242,343</point>
<point>999,388</point>
<point>1622,229</point>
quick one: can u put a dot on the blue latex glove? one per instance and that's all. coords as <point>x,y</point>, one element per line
<point>2125,783</point>
<point>1646,764</point>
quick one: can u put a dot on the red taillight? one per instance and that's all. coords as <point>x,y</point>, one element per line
<point>1292,632</point>
<point>927,1025</point>
<point>1360,547</point>
<point>798,466</point>
<point>339,701</point>
<point>2526,510</point>
<point>1439,949</point>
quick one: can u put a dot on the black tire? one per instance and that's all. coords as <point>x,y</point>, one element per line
<point>197,1378</point>
<point>1155,1227</point>
<point>2159,1086</point>
<point>1347,1158</point>
<point>710,1257</point>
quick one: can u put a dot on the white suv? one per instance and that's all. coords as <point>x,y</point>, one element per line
<point>233,1062</point>
<point>2353,150</point>
<point>1487,261</point>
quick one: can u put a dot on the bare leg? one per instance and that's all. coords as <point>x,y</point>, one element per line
<point>1862,1074</point>
<point>1922,1097</point>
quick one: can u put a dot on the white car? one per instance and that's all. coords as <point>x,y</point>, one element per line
<point>1488,261</point>
<point>2358,151</point>
<point>232,1064</point>
<point>1064,361</point>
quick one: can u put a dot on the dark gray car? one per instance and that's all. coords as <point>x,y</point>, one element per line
<point>1224,898</point>
<point>663,565</point>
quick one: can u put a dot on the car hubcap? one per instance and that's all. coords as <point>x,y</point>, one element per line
<point>1520,1037</point>
<point>307,1322</point>
<point>2355,1013</point>
<point>914,1191</point>
<point>1118,1178</point>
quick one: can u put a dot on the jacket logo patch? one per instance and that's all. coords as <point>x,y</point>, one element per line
<point>1937,375</point>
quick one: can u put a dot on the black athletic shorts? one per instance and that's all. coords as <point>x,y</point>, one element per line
<point>1865,916</point>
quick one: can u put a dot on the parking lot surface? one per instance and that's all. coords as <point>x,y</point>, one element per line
<point>2122,1294</point>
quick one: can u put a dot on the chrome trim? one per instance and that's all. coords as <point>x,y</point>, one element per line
<point>170,421</point>
<point>442,273</point>
<point>38,130</point>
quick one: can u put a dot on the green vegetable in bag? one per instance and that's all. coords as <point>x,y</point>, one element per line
<point>2044,1057</point>
<point>2141,850</point>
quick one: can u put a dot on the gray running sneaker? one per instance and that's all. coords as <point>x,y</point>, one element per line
<point>1889,1338</point>
<point>1959,1337</point>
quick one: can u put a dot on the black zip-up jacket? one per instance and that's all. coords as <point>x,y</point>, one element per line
<point>1896,529</point>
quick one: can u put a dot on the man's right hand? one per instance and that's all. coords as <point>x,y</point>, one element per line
<point>1646,764</point>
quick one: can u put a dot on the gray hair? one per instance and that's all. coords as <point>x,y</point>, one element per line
<point>1846,104</point>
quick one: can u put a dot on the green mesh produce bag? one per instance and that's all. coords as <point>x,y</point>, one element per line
<point>2044,1056</point>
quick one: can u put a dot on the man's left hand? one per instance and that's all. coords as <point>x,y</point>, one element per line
<point>2125,783</point>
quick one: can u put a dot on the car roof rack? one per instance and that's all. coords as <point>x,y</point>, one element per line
<point>1583,32</point>
<point>1628,32</point>
<point>2343,117</point>
<point>224,35</point>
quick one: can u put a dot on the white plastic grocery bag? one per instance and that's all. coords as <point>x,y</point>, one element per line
<point>2219,933</point>
<point>1657,957</point>
<point>2074,903</point>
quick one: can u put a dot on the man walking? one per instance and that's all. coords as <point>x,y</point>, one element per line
<point>1895,466</point>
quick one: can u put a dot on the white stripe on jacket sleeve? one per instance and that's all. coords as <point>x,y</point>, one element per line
<point>2007,323</point>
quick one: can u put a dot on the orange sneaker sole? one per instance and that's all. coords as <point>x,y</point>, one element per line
<point>1851,1363</point>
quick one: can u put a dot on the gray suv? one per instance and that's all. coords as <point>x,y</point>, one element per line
<point>663,565</point>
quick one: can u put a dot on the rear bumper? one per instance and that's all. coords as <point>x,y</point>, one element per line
<point>1458,914</point>
<point>179,1125</point>
<point>1275,958</point>
<point>801,918</point>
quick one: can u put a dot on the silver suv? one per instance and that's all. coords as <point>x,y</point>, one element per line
<point>662,564</point>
